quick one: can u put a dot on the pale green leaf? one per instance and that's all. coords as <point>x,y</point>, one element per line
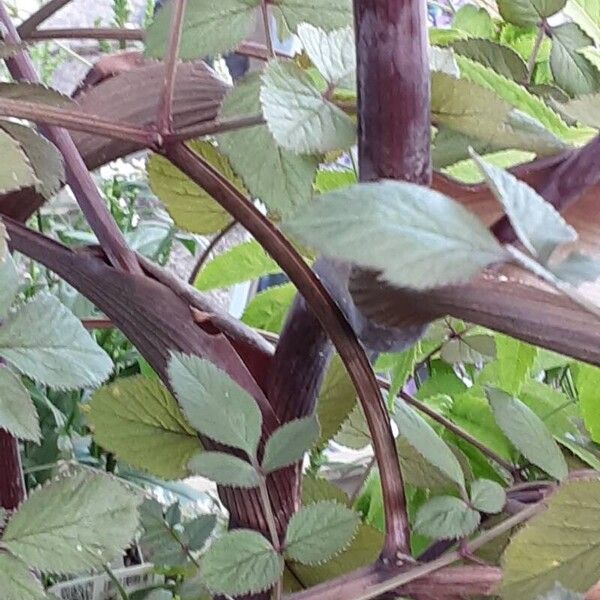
<point>224,469</point>
<point>487,496</point>
<point>17,582</point>
<point>561,544</point>
<point>46,342</point>
<point>577,268</point>
<point>422,437</point>
<point>333,53</point>
<point>244,262</point>
<point>328,14</point>
<point>193,588</point>
<point>241,562</point>
<point>539,226</point>
<point>214,404</point>
<point>281,179</point>
<point>528,12</point>
<point>354,432</point>
<point>571,70</point>
<point>209,27</point>
<point>190,206</point>
<point>73,524</point>
<point>585,109</point>
<point>417,223</point>
<point>588,389</point>
<point>500,58</point>
<point>527,432</point>
<point>9,280</point>
<point>586,13</point>
<point>288,444</point>
<point>475,21</point>
<point>269,308</point>
<point>17,412</point>
<point>34,92</point>
<point>298,116</point>
<point>138,419</point>
<point>16,171</point>
<point>446,517</point>
<point>319,531</point>
<point>469,349</point>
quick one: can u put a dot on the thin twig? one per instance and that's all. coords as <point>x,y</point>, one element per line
<point>539,38</point>
<point>208,251</point>
<point>213,128</point>
<point>86,33</point>
<point>43,14</point>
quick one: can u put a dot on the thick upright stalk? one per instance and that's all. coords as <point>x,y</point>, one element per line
<point>12,486</point>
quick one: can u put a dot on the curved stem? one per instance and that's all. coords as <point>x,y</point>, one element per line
<point>208,251</point>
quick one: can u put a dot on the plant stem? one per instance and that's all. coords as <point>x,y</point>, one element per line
<point>264,9</point>
<point>208,251</point>
<point>43,14</point>
<point>120,589</point>
<point>539,38</point>
<point>164,120</point>
<point>85,33</point>
<point>213,127</point>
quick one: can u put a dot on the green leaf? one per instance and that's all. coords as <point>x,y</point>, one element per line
<point>514,364</point>
<point>73,524</point>
<point>527,432</point>
<point>139,420</point>
<point>528,12</point>
<point>402,367</point>
<point>298,116</point>
<point>319,531</point>
<point>46,342</point>
<point>577,268</point>
<point>422,437</point>
<point>474,21</point>
<point>328,14</point>
<point>333,54</point>
<point>17,412</point>
<point>209,28</point>
<point>487,496</point>
<point>241,562</point>
<point>288,444</point>
<point>328,180</point>
<point>214,404</point>
<point>9,280</point>
<point>469,349</point>
<point>446,517</point>
<point>224,469</point>
<point>502,59</point>
<point>585,109</point>
<point>337,399</point>
<point>269,308</point>
<point>561,544</point>
<point>539,226</point>
<point>572,71</point>
<point>16,171</point>
<point>34,92</point>
<point>417,223</point>
<point>242,263</point>
<point>17,582</point>
<point>586,13</point>
<point>588,385</point>
<point>190,206</point>
<point>281,179</point>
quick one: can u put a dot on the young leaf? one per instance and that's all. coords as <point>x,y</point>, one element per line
<point>197,531</point>
<point>561,544</point>
<point>46,342</point>
<point>333,54</point>
<point>280,178</point>
<point>209,28</point>
<point>319,531</point>
<point>528,433</point>
<point>241,263</point>
<point>17,582</point>
<point>446,517</point>
<point>328,14</point>
<point>577,268</point>
<point>268,309</point>
<point>224,469</point>
<point>470,349</point>
<point>402,367</point>
<point>139,420</point>
<point>73,524</point>
<point>588,385</point>
<point>537,223</point>
<point>514,364</point>
<point>487,496</point>
<point>298,116</point>
<point>241,562</point>
<point>421,436</point>
<point>528,12</point>
<point>17,412</point>
<point>190,206</point>
<point>474,21</point>
<point>419,224</point>
<point>16,171</point>
<point>500,58</point>
<point>214,404</point>
<point>9,280</point>
<point>289,443</point>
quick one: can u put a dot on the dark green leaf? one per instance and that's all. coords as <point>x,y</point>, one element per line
<point>501,59</point>
<point>328,14</point>
<point>224,469</point>
<point>528,12</point>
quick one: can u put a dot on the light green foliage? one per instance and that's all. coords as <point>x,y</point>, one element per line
<point>224,469</point>
<point>474,20</point>
<point>242,263</point>
<point>16,171</point>
<point>17,412</point>
<point>319,531</point>
<point>469,349</point>
<point>298,116</point>
<point>209,27</point>
<point>354,432</point>
<point>528,12</point>
<point>73,524</point>
<point>400,366</point>
<point>515,362</point>
<point>268,309</point>
<point>241,562</point>
<point>527,432</point>
<point>190,206</point>
<point>487,496</point>
<point>423,226</point>
<point>500,58</point>
<point>60,354</point>
<point>328,14</point>
<point>9,278</point>
<point>422,437</point>
<point>280,178</point>
<point>328,180</point>
<point>588,388</point>
<point>139,420</point>
<point>561,544</point>
<point>446,517</point>
<point>586,13</point>
<point>17,582</point>
<point>288,444</point>
<point>214,404</point>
